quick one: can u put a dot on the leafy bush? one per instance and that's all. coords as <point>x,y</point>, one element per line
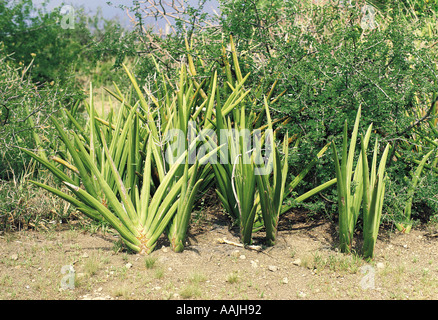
<point>24,110</point>
<point>24,32</point>
<point>45,66</point>
<point>59,51</point>
<point>329,64</point>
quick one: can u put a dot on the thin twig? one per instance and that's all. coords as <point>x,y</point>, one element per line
<point>251,247</point>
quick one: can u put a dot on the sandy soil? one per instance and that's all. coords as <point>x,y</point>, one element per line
<point>70,263</point>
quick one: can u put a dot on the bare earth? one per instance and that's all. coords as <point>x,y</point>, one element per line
<point>304,264</point>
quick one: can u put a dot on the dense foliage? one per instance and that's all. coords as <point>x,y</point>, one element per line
<point>44,66</point>
<point>316,63</point>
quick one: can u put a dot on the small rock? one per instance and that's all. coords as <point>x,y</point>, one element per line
<point>405,246</point>
<point>14,256</point>
<point>297,262</point>
<point>242,257</point>
<point>285,280</point>
<point>235,253</point>
<point>128,265</point>
<point>380,265</point>
<point>272,268</point>
<point>254,264</point>
<point>301,294</point>
<point>85,255</point>
<point>165,249</point>
<point>99,289</point>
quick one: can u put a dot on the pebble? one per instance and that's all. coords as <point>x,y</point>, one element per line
<point>297,262</point>
<point>242,257</point>
<point>14,257</point>
<point>85,255</point>
<point>285,280</point>
<point>272,268</point>
<point>380,265</point>
<point>128,265</point>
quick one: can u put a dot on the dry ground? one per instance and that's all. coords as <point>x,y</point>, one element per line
<point>305,264</point>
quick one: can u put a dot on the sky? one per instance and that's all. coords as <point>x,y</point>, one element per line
<point>113,11</point>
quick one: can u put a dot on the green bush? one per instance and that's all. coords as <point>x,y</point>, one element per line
<point>25,30</point>
<point>58,51</point>
<point>329,64</point>
<point>24,109</point>
<point>44,66</point>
